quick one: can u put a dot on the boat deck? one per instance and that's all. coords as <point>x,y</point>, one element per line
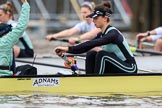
<point>146,64</point>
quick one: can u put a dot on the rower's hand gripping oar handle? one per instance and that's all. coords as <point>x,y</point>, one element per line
<point>69,62</point>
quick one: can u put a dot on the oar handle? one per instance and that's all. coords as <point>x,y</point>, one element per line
<point>57,50</point>
<point>69,62</point>
<point>63,40</point>
<point>139,45</point>
<point>64,57</point>
<point>77,42</point>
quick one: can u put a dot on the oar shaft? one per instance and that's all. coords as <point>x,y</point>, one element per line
<point>134,49</point>
<point>45,64</point>
<point>65,59</point>
<point>144,70</point>
<point>149,52</point>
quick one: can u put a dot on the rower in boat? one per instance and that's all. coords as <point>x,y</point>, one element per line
<point>154,35</point>
<point>115,56</point>
<point>24,47</point>
<point>86,29</point>
<point>9,37</point>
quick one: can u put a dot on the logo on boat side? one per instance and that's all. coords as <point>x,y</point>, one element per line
<point>45,81</point>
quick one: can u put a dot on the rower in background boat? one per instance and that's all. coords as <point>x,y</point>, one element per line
<point>154,35</point>
<point>86,28</point>
<point>9,37</point>
<point>115,56</point>
<point>23,47</point>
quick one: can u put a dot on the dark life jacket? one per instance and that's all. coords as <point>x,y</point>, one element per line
<point>4,29</point>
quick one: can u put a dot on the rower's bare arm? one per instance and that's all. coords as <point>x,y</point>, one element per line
<point>152,32</point>
<point>90,35</point>
<point>63,34</point>
<point>86,36</point>
<point>141,37</point>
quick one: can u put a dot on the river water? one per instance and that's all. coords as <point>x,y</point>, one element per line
<point>53,101</point>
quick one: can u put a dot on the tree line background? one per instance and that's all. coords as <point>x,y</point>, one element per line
<point>147,14</point>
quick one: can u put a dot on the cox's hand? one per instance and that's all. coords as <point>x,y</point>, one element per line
<point>61,50</point>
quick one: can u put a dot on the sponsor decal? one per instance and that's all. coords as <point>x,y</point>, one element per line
<point>45,82</point>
